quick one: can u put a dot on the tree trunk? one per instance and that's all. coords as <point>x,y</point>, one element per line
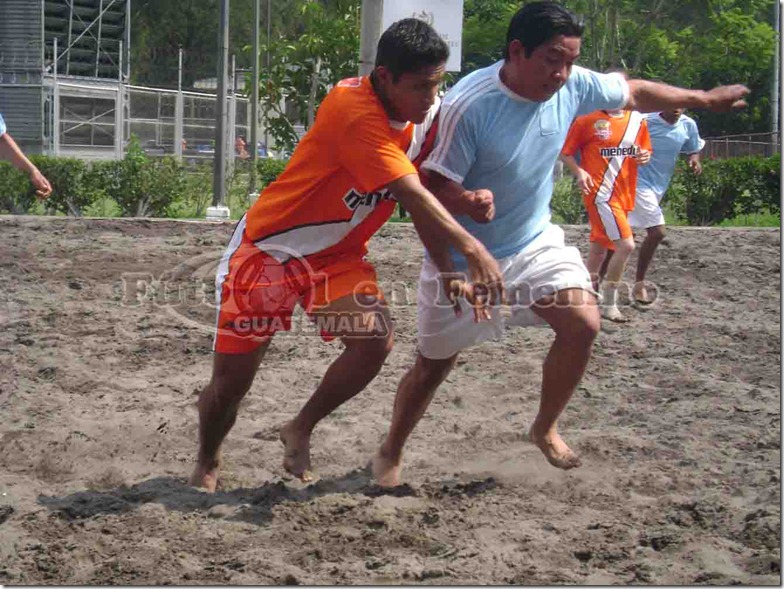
<point>313,88</point>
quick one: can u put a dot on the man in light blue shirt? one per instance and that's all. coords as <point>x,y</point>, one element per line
<point>10,151</point>
<point>500,132</point>
<point>672,134</point>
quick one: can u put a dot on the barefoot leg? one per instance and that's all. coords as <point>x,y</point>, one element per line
<point>232,375</point>
<point>361,360</point>
<point>575,320</point>
<point>414,394</point>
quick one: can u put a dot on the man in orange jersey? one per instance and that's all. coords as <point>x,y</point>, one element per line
<point>304,242</point>
<point>611,144</point>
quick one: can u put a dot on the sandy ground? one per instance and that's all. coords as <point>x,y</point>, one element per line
<point>677,422</point>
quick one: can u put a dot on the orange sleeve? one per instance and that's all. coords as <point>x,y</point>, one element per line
<point>574,140</point>
<point>644,138</point>
<point>370,154</point>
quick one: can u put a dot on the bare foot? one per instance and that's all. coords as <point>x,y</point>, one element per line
<point>641,294</point>
<point>385,470</point>
<point>296,453</point>
<point>204,477</point>
<point>612,313</point>
<point>555,450</point>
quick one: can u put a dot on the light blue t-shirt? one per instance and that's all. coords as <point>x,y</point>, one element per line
<point>489,137</point>
<point>2,126</point>
<point>668,142</point>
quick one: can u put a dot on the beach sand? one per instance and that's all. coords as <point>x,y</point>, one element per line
<point>105,339</point>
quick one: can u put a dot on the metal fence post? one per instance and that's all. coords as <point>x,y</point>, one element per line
<point>219,210</point>
<point>119,109</point>
<point>178,112</point>
<point>55,107</point>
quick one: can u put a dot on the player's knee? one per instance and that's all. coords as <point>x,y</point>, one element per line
<point>226,389</point>
<point>585,327</point>
<point>656,234</point>
<point>375,348</point>
<point>428,374</point>
<point>625,246</point>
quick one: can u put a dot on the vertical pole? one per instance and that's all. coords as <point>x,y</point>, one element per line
<point>370,32</point>
<point>219,209</point>
<point>98,41</point>
<point>774,101</point>
<point>119,109</point>
<point>178,111</point>
<point>267,63</point>
<point>56,106</point>
<point>128,41</point>
<point>70,34</point>
<point>232,118</point>
<point>254,100</point>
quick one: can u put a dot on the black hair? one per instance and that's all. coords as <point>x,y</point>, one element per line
<point>408,46</point>
<point>538,22</point>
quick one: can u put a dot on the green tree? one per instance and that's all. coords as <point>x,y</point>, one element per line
<point>317,48</point>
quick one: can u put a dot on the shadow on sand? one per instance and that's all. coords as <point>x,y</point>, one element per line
<point>252,505</point>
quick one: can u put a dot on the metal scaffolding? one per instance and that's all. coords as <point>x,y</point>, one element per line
<point>65,87</point>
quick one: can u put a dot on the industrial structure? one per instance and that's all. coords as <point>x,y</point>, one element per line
<point>65,87</point>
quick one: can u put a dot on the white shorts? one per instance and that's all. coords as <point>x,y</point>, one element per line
<point>546,266</point>
<point>647,210</point>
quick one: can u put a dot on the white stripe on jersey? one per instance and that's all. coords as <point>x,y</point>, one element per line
<point>614,166</point>
<point>616,162</point>
<point>223,271</point>
<point>452,112</point>
<point>420,130</point>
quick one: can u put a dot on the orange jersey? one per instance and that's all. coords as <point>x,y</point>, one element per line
<point>607,145</point>
<point>331,198</point>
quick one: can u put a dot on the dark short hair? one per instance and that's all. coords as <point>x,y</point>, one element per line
<point>408,46</point>
<point>538,22</point>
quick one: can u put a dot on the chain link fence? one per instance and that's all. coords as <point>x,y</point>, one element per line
<point>729,146</point>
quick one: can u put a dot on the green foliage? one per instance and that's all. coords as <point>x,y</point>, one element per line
<point>268,169</point>
<point>16,193</point>
<point>484,31</point>
<point>317,48</point>
<point>145,187</point>
<point>72,189</point>
<point>196,193</point>
<point>567,202</point>
<point>726,189</point>
<point>754,220</point>
<point>690,43</point>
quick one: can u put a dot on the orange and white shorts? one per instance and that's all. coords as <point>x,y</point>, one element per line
<point>609,222</point>
<point>257,290</point>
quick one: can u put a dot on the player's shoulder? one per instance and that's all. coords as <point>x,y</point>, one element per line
<point>474,89</point>
<point>581,77</point>
<point>350,100</point>
<point>687,121</point>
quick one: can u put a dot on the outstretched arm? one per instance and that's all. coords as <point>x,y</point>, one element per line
<point>10,151</point>
<point>647,96</point>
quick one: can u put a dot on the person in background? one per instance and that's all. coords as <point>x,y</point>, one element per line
<point>672,134</point>
<point>611,144</point>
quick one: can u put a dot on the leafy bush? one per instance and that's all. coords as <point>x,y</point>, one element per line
<point>72,190</point>
<point>567,202</point>
<point>726,189</point>
<point>16,193</point>
<point>146,187</point>
<point>268,169</point>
